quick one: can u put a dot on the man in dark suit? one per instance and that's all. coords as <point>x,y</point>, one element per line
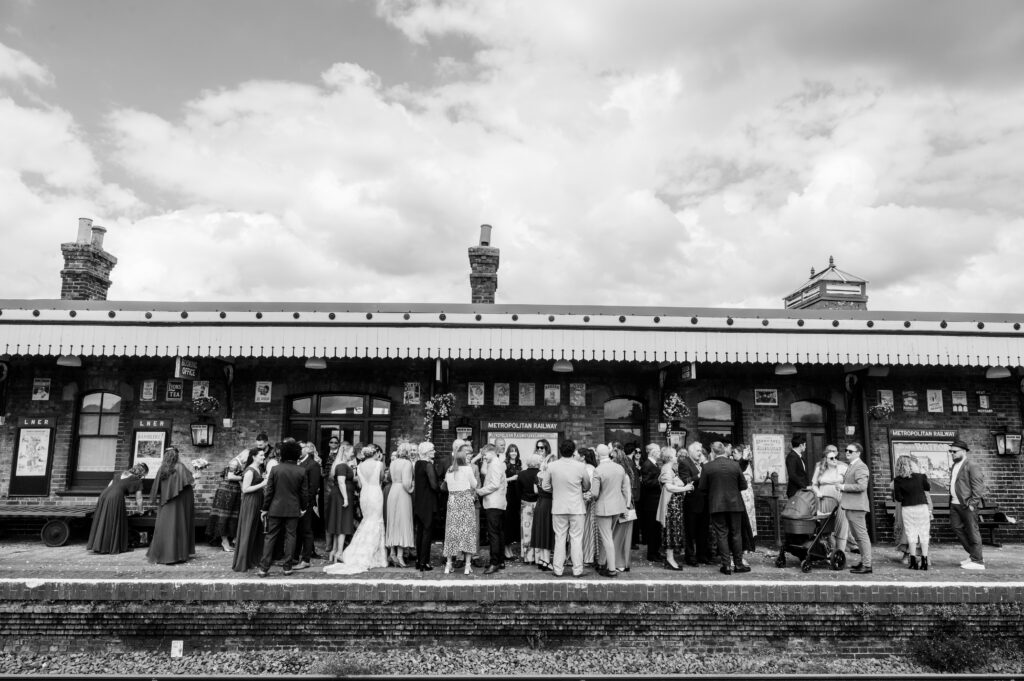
<point>284,502</point>
<point>796,467</point>
<point>966,494</point>
<point>647,508</point>
<point>314,476</point>
<point>722,481</point>
<point>695,507</point>
<point>424,504</point>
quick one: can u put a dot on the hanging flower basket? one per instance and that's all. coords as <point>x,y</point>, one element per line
<point>674,410</point>
<point>881,412</point>
<point>204,406</point>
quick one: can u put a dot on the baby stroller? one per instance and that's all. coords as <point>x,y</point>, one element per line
<point>807,526</point>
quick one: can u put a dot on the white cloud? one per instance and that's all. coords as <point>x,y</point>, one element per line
<point>17,66</point>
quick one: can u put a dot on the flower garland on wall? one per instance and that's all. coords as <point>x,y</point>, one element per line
<point>438,406</point>
<point>204,406</point>
<point>674,408</point>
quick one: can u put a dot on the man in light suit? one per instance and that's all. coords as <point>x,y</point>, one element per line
<point>855,505</point>
<point>966,491</point>
<point>567,480</point>
<point>492,491</point>
<point>722,481</point>
<point>611,492</point>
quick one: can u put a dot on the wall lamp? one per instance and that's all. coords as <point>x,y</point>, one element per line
<point>69,361</point>
<point>997,372</point>
<point>316,363</point>
<point>785,369</point>
<point>562,366</point>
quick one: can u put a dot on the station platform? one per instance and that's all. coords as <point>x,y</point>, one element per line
<point>76,600</point>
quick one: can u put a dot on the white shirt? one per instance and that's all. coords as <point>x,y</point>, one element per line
<point>952,488</point>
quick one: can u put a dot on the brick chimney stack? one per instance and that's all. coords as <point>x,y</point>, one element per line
<point>86,273</point>
<point>483,263</point>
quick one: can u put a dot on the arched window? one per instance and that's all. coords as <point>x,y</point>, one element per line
<point>718,420</point>
<point>624,421</point>
<point>350,417</point>
<point>99,418</point>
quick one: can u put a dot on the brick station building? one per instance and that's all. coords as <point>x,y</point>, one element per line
<point>90,385</point>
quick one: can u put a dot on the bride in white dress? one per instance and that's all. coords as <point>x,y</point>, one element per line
<point>366,550</point>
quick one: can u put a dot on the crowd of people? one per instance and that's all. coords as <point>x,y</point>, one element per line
<point>592,506</point>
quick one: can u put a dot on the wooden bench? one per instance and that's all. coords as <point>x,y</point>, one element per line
<point>990,518</point>
<point>57,519</point>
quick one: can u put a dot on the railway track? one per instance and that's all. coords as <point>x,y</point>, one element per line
<point>553,677</point>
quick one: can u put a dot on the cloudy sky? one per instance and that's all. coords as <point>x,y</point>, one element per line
<point>634,153</point>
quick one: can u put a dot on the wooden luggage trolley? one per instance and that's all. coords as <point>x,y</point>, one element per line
<point>58,520</point>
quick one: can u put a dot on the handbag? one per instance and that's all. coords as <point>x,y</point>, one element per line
<point>629,515</point>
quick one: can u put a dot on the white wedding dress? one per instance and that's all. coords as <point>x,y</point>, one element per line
<point>366,550</point>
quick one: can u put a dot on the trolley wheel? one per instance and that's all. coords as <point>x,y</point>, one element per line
<point>837,561</point>
<point>780,562</point>
<point>805,566</point>
<point>55,532</point>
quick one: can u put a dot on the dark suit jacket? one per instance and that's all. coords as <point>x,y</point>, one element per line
<point>796,471</point>
<point>314,476</point>
<point>442,462</point>
<point>722,480</point>
<point>695,501</point>
<point>286,491</point>
<point>970,485</point>
<point>650,484</point>
<point>424,491</point>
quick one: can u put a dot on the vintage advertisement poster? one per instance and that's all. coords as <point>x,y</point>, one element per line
<point>40,389</point>
<point>148,392</point>
<point>959,401</point>
<point>149,449</point>
<point>909,400</point>
<point>263,391</point>
<point>766,397</point>
<point>886,397</point>
<point>502,393</point>
<point>934,401</point>
<point>411,393</point>
<point>476,394</point>
<point>174,389</point>
<point>33,451</point>
<point>769,457</point>
<point>527,394</point>
<point>930,448</point>
<point>552,394</point>
<point>200,389</point>
<point>577,394</point>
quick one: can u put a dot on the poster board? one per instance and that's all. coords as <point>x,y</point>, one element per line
<point>33,457</point>
<point>523,434</point>
<point>931,450</point>
<point>149,439</point>
<point>769,453</point>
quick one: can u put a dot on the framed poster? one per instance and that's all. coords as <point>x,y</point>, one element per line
<point>148,448</point>
<point>200,389</point>
<point>264,389</point>
<point>934,398</point>
<point>909,400</point>
<point>502,393</point>
<point>40,389</point>
<point>984,403</point>
<point>552,394</point>
<point>886,397</point>
<point>931,450</point>
<point>527,394</point>
<point>766,397</point>
<point>769,457</point>
<point>175,389</point>
<point>411,393</point>
<point>577,394</point>
<point>30,468</point>
<point>148,392</point>
<point>959,401</point>
<point>476,394</point>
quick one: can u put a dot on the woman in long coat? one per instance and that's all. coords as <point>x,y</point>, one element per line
<point>109,532</point>
<point>174,535</point>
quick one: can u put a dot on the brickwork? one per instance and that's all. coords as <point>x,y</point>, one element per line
<point>86,273</point>
<point>483,279</point>
<point>700,618</point>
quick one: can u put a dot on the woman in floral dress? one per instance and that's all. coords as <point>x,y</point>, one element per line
<point>460,531</point>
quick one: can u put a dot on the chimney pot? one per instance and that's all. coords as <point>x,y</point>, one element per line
<point>485,235</point>
<point>97,236</point>
<point>84,227</point>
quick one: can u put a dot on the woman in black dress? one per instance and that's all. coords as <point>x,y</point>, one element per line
<point>543,536</point>
<point>174,534</point>
<point>109,533</point>
<point>340,523</point>
<point>513,465</point>
<point>249,540</point>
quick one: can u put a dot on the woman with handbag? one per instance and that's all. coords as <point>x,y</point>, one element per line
<point>622,533</point>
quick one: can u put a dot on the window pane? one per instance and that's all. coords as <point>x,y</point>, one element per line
<point>623,434</point>
<point>623,409</point>
<point>380,438</point>
<point>341,404</point>
<point>302,406</point>
<point>714,410</point>
<point>807,412</point>
<point>108,425</point>
<point>96,454</point>
<point>91,403</point>
<point>111,403</point>
<point>381,407</point>
<point>88,424</point>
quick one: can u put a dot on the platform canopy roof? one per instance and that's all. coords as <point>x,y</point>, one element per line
<point>481,331</point>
